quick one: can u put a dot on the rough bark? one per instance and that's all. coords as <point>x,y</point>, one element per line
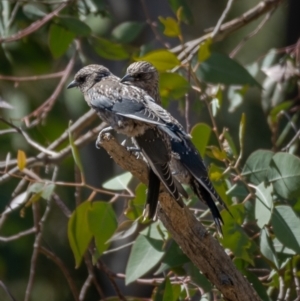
<point>196,242</point>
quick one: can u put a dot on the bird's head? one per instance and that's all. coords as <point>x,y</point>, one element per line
<point>88,76</point>
<point>140,74</point>
<point>144,76</point>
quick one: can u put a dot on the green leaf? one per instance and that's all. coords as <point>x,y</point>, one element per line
<point>215,152</point>
<point>136,206</point>
<point>284,106</point>
<point>127,32</point>
<point>286,227</point>
<point>162,59</point>
<point>231,144</point>
<point>74,25</point>
<point>258,285</point>
<point>172,85</point>
<point>171,291</point>
<point>267,248</point>
<point>156,231</point>
<point>34,11</point>
<point>102,224</point>
<point>198,277</point>
<point>284,173</point>
<point>119,182</point>
<point>236,95</point>
<point>125,229</point>
<point>44,190</point>
<point>238,190</point>
<point>173,258</point>
<point>280,248</point>
<point>59,40</point>
<point>110,50</point>
<point>220,68</point>
<point>204,50</point>
<point>200,136</point>
<point>75,152</point>
<point>234,237</point>
<point>257,165</point>
<point>242,134</point>
<point>263,204</point>
<point>48,191</point>
<point>172,28</point>
<point>79,233</point>
<point>186,14</point>
<point>145,254</point>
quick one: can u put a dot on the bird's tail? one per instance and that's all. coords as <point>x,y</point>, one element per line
<point>152,195</point>
<point>206,197</point>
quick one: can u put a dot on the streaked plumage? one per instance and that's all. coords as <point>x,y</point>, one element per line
<point>186,164</point>
<point>131,111</point>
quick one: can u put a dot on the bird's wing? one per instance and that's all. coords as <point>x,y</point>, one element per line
<point>156,151</point>
<point>126,107</point>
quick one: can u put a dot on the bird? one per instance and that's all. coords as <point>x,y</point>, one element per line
<point>132,112</point>
<point>186,164</point>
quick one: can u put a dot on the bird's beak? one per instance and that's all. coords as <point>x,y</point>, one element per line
<point>72,84</point>
<point>127,78</point>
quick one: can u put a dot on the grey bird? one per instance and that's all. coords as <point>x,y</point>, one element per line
<point>186,164</point>
<point>132,112</point>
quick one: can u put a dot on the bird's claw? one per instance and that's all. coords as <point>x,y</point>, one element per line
<point>105,130</point>
<point>134,150</point>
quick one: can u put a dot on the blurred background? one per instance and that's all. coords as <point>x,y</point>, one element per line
<point>35,54</point>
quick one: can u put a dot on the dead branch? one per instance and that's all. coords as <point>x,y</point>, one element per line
<point>202,249</point>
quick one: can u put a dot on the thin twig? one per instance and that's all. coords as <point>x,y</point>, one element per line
<point>38,223</point>
<point>19,235</point>
<point>87,283</point>
<point>252,34</point>
<point>64,270</point>
<point>28,139</point>
<point>89,266</point>
<point>7,291</point>
<point>152,26</point>
<point>33,26</point>
<point>222,18</point>
<point>101,266</point>
<point>31,78</point>
<point>41,112</point>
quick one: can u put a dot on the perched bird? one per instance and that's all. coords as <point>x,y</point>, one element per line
<point>131,111</point>
<point>186,164</point>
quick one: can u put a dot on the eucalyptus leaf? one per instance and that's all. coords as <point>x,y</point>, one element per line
<point>200,136</point>
<point>161,59</point>
<point>284,174</point>
<point>145,254</point>
<point>127,32</point>
<point>119,182</point>
<point>286,227</point>
<point>59,40</point>
<point>220,68</point>
<point>257,166</point>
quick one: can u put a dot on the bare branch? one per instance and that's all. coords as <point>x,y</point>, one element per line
<point>19,235</point>
<point>222,18</point>
<point>31,78</point>
<point>64,270</point>
<point>227,28</point>
<point>34,26</point>
<point>41,112</point>
<point>203,250</point>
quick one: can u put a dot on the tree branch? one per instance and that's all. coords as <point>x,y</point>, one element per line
<point>202,249</point>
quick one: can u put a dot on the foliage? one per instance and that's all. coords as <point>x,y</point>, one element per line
<point>48,208</point>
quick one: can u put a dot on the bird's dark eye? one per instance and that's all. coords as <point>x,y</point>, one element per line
<point>81,78</point>
<point>138,76</point>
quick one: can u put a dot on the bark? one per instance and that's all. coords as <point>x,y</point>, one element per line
<point>196,242</point>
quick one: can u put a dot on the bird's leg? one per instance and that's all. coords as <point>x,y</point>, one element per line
<point>107,129</point>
